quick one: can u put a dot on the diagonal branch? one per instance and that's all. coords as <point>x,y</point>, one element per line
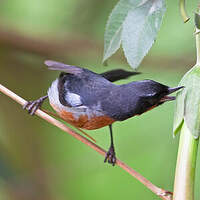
<point>163,194</point>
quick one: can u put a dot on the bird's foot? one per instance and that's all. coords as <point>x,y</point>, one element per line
<point>110,156</point>
<point>32,106</point>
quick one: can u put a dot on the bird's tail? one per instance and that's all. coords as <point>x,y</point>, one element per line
<point>58,66</point>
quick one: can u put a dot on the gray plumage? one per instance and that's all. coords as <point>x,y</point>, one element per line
<point>116,101</point>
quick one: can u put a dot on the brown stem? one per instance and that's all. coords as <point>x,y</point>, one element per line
<point>10,38</point>
<point>163,194</point>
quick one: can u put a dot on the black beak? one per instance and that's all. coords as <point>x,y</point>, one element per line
<point>171,90</point>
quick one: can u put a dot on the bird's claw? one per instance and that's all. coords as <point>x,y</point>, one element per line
<point>32,106</point>
<point>110,156</point>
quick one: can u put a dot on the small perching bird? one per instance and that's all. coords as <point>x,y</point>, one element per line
<point>90,101</point>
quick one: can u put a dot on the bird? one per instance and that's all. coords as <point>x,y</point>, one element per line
<point>91,101</point>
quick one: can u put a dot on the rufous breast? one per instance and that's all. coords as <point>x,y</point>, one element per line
<point>83,120</point>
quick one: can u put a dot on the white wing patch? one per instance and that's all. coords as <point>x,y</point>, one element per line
<point>73,99</point>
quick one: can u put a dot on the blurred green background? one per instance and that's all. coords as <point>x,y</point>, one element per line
<point>37,160</point>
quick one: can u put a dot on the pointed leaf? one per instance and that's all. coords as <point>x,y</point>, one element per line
<point>112,37</point>
<point>188,103</point>
<point>179,107</point>
<point>140,30</point>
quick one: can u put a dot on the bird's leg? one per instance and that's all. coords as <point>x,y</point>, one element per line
<point>110,155</point>
<point>32,106</point>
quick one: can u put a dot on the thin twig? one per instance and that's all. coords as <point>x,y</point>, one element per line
<point>163,194</point>
<point>58,117</point>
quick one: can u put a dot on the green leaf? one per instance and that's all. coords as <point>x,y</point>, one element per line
<point>140,29</point>
<point>188,103</point>
<point>179,107</point>
<point>112,37</point>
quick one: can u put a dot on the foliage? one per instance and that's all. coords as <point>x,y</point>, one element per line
<point>188,103</point>
<point>135,25</point>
